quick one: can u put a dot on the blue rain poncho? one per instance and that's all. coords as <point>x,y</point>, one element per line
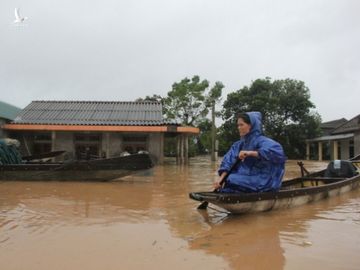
<point>254,174</point>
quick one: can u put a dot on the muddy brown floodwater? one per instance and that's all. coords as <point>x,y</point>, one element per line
<point>147,221</point>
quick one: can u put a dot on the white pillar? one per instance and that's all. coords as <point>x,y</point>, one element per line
<point>307,151</point>
<point>161,154</point>
<point>53,140</point>
<point>320,151</point>
<point>182,149</point>
<point>107,144</point>
<point>178,149</point>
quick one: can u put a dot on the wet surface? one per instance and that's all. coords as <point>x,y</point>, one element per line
<point>147,221</point>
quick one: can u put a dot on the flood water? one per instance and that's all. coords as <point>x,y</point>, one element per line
<point>147,221</point>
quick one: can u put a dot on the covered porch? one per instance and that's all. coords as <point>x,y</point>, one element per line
<point>331,147</point>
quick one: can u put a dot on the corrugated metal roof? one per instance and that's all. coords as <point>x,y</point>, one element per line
<point>93,113</point>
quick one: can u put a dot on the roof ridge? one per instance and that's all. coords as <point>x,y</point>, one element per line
<point>344,124</point>
<point>94,101</point>
<point>334,121</point>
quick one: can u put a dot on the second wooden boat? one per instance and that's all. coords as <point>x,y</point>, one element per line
<point>82,170</point>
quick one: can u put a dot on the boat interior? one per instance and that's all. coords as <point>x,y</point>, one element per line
<point>336,171</point>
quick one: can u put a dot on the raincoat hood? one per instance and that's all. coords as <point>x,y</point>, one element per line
<point>256,124</point>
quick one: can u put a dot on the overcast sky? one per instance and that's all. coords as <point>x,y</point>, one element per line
<point>121,50</point>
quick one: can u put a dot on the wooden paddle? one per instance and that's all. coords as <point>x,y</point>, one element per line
<point>204,204</point>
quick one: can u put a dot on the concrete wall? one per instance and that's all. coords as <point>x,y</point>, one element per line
<point>345,147</point>
<point>156,146</point>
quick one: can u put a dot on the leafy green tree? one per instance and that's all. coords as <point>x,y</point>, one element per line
<point>286,109</point>
<point>154,97</point>
<point>189,103</point>
<point>186,101</point>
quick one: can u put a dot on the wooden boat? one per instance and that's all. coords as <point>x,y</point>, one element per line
<point>305,189</point>
<point>84,170</point>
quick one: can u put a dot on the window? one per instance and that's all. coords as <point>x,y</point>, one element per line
<point>134,143</point>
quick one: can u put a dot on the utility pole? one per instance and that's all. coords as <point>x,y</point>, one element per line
<point>213,98</point>
<point>213,132</point>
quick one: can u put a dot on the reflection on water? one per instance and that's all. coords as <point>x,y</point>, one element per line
<point>147,221</point>
<point>248,242</point>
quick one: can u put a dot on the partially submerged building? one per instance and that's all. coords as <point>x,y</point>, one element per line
<point>97,128</point>
<point>340,140</point>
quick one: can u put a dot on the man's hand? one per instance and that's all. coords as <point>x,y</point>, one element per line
<point>244,154</point>
<point>218,183</point>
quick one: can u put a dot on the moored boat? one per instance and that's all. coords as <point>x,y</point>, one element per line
<point>339,177</point>
<point>103,169</point>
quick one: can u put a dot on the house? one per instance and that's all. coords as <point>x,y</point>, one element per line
<point>97,128</point>
<point>340,140</point>
<point>328,127</point>
<point>7,114</point>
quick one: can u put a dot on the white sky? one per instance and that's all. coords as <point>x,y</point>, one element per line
<point>121,50</point>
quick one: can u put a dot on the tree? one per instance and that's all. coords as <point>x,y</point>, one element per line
<point>286,109</point>
<point>154,97</point>
<point>186,101</point>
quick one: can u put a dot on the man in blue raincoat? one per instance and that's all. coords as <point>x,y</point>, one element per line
<point>261,159</point>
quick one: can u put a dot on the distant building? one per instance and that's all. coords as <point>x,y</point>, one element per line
<point>7,114</point>
<point>328,127</point>
<point>340,140</point>
<point>97,128</point>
